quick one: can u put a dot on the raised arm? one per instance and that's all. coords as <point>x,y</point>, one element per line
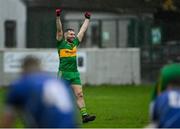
<point>59,33</point>
<point>84,27</point>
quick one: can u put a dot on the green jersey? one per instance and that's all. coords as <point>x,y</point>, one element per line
<point>168,73</point>
<point>67,55</point>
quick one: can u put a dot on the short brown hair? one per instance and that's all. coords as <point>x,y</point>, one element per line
<point>30,64</point>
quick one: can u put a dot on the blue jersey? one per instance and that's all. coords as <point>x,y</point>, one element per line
<point>44,100</point>
<point>166,110</point>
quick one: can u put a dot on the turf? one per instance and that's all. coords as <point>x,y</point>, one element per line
<point>114,106</point>
<point>118,106</point>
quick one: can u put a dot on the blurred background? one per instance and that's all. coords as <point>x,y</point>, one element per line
<point>152,27</point>
<point>127,43</point>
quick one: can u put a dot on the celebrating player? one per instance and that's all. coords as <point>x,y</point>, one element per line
<point>67,44</point>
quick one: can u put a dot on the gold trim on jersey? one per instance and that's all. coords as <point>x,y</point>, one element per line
<point>68,52</point>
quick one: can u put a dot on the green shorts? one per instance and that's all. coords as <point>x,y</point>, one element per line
<point>72,77</point>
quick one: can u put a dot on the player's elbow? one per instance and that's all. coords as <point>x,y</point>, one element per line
<point>59,35</point>
<point>58,38</point>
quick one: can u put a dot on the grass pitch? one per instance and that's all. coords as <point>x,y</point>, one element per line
<point>114,106</point>
<point>118,106</point>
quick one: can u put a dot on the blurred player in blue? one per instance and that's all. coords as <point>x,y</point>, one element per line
<point>44,101</point>
<point>165,109</point>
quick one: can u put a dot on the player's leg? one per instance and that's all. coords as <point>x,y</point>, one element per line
<point>79,97</point>
<point>81,103</point>
<point>74,78</point>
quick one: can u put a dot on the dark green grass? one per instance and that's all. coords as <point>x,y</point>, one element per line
<point>118,106</point>
<point>114,106</point>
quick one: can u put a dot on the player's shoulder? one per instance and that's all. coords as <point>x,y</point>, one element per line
<point>166,96</point>
<point>18,81</point>
<point>76,41</point>
<point>60,42</point>
<point>162,98</point>
<point>19,86</point>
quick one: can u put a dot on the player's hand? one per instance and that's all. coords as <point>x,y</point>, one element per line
<point>87,15</point>
<point>58,12</point>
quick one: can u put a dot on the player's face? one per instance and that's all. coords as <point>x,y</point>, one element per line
<point>70,36</point>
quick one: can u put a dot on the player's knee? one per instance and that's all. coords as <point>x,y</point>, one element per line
<point>80,95</point>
